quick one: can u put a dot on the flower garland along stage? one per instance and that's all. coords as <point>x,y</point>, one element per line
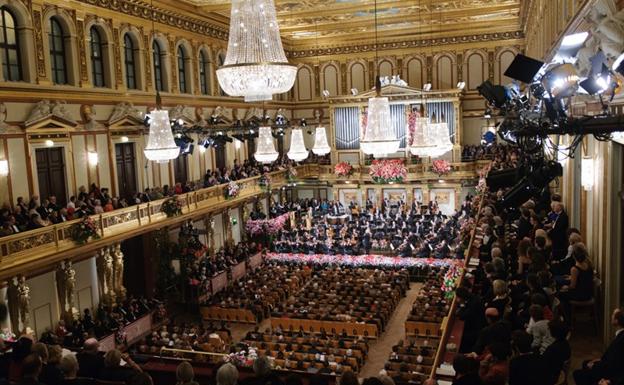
<point>363,260</point>
<point>388,171</point>
<point>454,267</point>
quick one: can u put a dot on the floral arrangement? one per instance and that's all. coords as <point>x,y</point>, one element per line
<point>265,181</point>
<point>82,231</point>
<point>388,170</point>
<point>411,126</point>
<point>266,226</point>
<point>231,190</point>
<point>172,207</point>
<point>440,167</point>
<point>450,280</point>
<point>343,169</point>
<point>482,187</point>
<point>243,358</point>
<point>291,174</point>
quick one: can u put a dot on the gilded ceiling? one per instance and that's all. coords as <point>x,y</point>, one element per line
<point>340,22</point>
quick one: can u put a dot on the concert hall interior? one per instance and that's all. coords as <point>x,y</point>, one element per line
<point>312,192</point>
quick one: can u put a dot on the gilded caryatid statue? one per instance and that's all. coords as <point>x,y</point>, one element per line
<point>13,303</point>
<point>118,258</point>
<point>211,243</point>
<point>23,300</point>
<point>70,287</point>
<point>99,264</point>
<point>109,271</point>
<point>228,228</point>
<point>61,291</point>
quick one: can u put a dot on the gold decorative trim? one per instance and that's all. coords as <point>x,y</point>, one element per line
<point>352,49</point>
<point>84,73</point>
<point>41,70</point>
<point>145,11</point>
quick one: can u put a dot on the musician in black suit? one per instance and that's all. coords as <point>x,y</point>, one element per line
<point>611,365</point>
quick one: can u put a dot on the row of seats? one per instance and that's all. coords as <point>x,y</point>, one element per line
<point>330,327</point>
<point>216,313</point>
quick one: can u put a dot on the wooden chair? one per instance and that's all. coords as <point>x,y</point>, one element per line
<point>591,307</point>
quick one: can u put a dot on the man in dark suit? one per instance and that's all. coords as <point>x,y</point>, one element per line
<point>558,232</point>
<point>466,371</point>
<point>90,360</point>
<point>611,365</point>
<point>527,367</point>
<point>470,311</point>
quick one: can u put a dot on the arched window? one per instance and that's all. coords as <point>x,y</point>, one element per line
<point>204,68</point>
<point>158,66</point>
<point>97,59</point>
<point>9,46</point>
<point>182,70</point>
<point>57,52</point>
<point>129,62</point>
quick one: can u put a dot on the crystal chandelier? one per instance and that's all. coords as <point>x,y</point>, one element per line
<point>441,139</point>
<point>255,65</point>
<point>379,136</point>
<point>297,150</point>
<point>321,147</point>
<point>422,144</point>
<point>265,153</point>
<point>161,146</point>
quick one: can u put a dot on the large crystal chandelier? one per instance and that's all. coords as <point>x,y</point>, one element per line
<point>255,65</point>
<point>441,139</point>
<point>422,143</point>
<point>265,153</point>
<point>161,146</point>
<point>297,150</point>
<point>379,136</point>
<point>321,147</point>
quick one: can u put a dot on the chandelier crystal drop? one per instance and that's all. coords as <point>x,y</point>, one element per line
<point>297,150</point>
<point>255,65</point>
<point>321,146</point>
<point>379,137</point>
<point>161,146</point>
<point>265,153</point>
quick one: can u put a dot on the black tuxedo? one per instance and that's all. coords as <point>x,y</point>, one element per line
<point>527,369</point>
<point>558,235</point>
<point>610,366</point>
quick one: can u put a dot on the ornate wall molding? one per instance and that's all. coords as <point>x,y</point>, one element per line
<point>41,69</point>
<point>488,37</point>
<point>144,11</point>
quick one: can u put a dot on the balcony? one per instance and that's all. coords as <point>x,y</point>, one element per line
<point>35,251</point>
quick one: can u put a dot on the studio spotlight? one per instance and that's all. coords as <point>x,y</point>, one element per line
<point>325,93</point>
<point>461,85</point>
<point>618,65</point>
<point>427,87</point>
<point>561,81</point>
<point>354,91</point>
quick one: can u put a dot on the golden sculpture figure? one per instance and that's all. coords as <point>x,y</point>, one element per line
<point>61,292</point>
<point>109,291</point>
<point>99,264</point>
<point>23,294</point>
<point>120,290</point>
<point>70,286</point>
<point>12,302</point>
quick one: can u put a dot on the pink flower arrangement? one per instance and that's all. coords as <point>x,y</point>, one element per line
<point>440,167</point>
<point>232,190</point>
<point>388,170</point>
<point>266,226</point>
<point>453,265</point>
<point>82,231</point>
<point>343,169</point>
